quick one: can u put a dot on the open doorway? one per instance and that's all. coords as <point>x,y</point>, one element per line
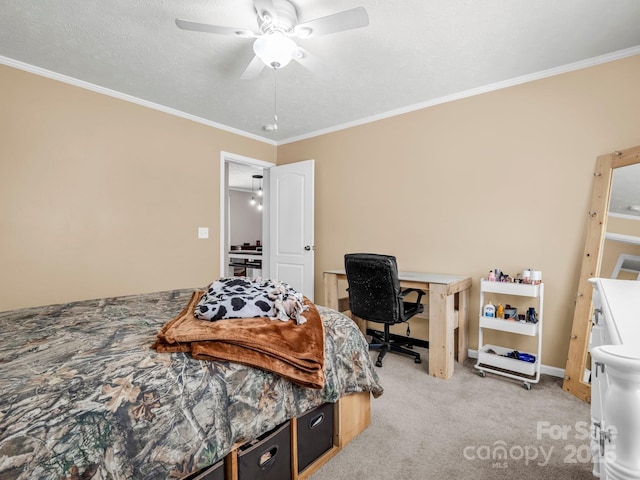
<point>287,242</point>
<point>244,228</point>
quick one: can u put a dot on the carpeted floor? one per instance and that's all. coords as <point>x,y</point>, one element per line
<point>466,427</point>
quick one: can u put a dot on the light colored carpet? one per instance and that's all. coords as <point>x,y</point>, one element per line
<point>466,427</point>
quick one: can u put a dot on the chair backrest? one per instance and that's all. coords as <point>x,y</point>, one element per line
<point>374,287</point>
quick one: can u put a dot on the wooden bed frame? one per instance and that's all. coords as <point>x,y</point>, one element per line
<point>352,415</point>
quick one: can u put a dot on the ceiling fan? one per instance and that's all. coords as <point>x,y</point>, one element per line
<point>278,23</point>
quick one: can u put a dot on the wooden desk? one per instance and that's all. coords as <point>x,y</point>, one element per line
<point>443,318</point>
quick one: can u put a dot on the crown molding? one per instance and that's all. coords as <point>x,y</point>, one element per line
<point>127,98</point>
<point>610,57</point>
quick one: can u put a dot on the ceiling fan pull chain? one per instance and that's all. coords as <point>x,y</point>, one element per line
<point>275,99</point>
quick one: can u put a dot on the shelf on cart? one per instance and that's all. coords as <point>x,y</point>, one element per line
<point>508,288</point>
<point>506,363</point>
<point>512,326</point>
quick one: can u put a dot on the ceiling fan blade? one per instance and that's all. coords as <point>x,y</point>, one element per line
<point>205,27</point>
<point>265,7</point>
<point>253,70</point>
<point>312,63</point>
<point>338,22</point>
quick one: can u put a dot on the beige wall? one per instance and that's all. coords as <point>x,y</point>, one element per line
<point>101,197</point>
<point>624,225</point>
<point>501,180</point>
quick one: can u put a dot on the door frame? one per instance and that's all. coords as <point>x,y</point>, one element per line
<point>226,157</point>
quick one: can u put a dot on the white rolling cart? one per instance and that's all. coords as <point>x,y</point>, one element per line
<point>497,363</point>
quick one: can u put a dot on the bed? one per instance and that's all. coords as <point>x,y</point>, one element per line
<point>85,396</point>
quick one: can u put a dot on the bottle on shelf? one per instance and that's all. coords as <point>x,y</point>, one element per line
<point>489,310</point>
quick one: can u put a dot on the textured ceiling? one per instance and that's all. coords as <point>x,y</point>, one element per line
<point>412,53</point>
<point>241,176</point>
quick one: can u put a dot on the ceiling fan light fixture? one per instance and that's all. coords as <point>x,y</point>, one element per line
<point>275,49</point>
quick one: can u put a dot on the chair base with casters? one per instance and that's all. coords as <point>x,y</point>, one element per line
<point>386,345</point>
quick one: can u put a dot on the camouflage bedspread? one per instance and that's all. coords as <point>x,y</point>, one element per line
<point>84,396</point>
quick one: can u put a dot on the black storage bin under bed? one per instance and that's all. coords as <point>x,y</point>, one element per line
<point>215,472</point>
<point>268,457</point>
<point>315,434</point>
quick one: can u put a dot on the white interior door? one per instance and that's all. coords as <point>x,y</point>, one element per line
<point>291,217</point>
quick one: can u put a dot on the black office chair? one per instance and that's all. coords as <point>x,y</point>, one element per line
<point>375,295</point>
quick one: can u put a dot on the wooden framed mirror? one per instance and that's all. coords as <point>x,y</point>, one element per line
<point>577,380</point>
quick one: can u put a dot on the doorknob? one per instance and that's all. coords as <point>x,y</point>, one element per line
<point>307,247</point>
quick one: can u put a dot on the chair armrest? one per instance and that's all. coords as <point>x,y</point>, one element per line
<point>420,293</point>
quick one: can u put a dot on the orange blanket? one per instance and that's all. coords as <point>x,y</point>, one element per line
<point>294,351</point>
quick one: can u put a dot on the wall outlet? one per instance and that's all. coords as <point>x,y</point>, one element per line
<point>203,232</point>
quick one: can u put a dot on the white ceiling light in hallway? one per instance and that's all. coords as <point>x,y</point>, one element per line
<point>256,191</point>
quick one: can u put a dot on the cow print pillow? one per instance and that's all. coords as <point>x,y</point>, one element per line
<point>242,297</point>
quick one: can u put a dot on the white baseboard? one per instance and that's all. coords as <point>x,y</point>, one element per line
<point>546,369</point>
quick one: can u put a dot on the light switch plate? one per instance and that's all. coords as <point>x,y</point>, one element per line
<point>203,232</point>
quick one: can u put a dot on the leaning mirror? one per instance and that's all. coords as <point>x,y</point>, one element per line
<point>612,249</point>
<point>621,250</point>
